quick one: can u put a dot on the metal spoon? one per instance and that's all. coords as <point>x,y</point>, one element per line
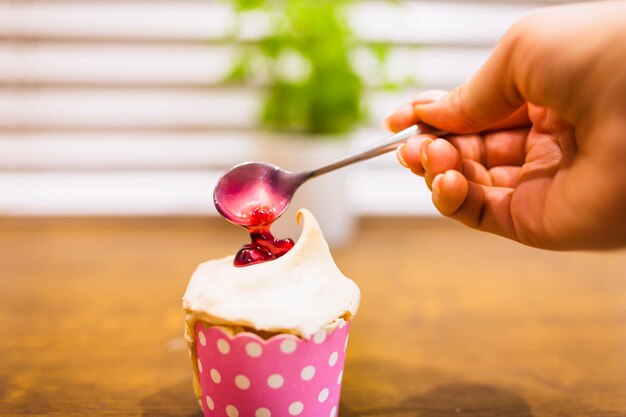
<point>252,186</point>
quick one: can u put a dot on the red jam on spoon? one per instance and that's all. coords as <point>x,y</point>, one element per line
<point>264,246</point>
<point>254,195</point>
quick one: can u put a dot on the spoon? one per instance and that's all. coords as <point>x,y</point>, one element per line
<point>256,193</point>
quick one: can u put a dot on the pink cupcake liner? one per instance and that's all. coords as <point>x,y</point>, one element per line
<point>246,376</point>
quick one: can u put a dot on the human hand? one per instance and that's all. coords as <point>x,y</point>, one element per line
<point>541,152</point>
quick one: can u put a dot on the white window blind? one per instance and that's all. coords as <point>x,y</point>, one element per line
<point>118,107</point>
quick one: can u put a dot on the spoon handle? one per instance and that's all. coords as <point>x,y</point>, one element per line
<point>378,148</point>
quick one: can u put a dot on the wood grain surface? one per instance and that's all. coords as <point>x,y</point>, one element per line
<point>452,322</point>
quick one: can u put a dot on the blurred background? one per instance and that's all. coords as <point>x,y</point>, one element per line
<point>136,107</point>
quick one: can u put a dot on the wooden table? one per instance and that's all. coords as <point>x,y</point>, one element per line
<point>452,322</point>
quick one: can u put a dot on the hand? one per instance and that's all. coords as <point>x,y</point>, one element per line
<point>541,152</point>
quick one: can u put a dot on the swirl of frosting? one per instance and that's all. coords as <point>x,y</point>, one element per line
<point>300,293</point>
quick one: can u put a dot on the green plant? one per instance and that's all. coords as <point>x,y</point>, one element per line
<point>305,60</point>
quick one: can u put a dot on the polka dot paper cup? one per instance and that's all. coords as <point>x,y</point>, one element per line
<point>243,375</point>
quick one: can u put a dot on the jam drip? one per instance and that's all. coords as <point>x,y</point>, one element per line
<point>263,246</point>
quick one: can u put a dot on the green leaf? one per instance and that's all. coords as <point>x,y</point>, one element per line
<point>330,98</point>
<point>380,51</point>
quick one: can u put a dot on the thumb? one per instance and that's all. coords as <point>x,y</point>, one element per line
<point>488,97</point>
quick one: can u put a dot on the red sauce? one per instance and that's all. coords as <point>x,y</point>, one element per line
<point>263,245</point>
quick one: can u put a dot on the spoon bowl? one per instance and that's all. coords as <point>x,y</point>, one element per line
<point>254,193</point>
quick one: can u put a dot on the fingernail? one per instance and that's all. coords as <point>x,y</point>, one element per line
<point>399,155</point>
<point>386,123</point>
<point>404,111</point>
<point>430,95</point>
<point>424,151</point>
<point>436,181</point>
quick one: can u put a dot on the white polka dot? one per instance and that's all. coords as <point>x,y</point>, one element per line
<point>296,408</point>
<point>254,350</point>
<point>288,346</point>
<point>275,381</point>
<point>333,411</point>
<point>323,395</point>
<point>242,382</point>
<point>209,402</point>
<point>231,411</point>
<point>202,338</point>
<point>199,365</point>
<point>340,377</point>
<point>307,373</point>
<point>332,359</point>
<point>262,412</point>
<point>319,337</point>
<point>341,324</point>
<point>223,346</point>
<point>345,346</point>
<point>215,376</point>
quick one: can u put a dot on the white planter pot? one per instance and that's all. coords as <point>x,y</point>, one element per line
<point>324,196</point>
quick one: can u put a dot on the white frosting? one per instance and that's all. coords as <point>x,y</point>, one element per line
<point>301,292</point>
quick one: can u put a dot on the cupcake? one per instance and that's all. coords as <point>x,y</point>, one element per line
<point>269,339</point>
